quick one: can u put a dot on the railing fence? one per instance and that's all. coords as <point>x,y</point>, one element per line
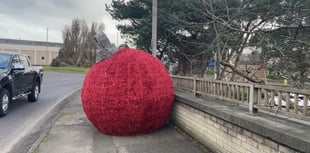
<point>281,100</point>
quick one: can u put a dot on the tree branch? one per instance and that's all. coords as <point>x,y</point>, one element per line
<point>241,73</point>
<point>287,27</point>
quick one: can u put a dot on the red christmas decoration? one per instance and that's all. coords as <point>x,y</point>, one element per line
<point>129,93</point>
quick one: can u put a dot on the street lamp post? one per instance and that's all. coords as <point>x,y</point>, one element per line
<point>46,62</point>
<point>154,28</point>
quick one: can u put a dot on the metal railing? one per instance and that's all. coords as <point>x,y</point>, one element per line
<point>287,101</point>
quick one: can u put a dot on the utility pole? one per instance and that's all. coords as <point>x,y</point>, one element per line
<point>154,28</point>
<point>117,45</point>
<point>46,46</point>
<point>217,62</point>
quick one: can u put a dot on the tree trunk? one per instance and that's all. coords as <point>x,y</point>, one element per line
<point>303,78</point>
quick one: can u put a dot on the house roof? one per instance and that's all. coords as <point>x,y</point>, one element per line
<point>29,42</point>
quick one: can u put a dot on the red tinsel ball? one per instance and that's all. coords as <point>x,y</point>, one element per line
<point>129,93</point>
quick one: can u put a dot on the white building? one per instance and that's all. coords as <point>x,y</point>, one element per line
<point>40,52</point>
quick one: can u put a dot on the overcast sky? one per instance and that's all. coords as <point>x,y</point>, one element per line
<point>29,19</point>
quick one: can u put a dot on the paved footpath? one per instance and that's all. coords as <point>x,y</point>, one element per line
<point>73,133</point>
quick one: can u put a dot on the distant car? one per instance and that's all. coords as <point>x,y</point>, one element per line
<point>292,100</point>
<point>18,78</point>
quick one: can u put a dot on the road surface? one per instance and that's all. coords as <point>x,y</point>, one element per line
<point>24,117</point>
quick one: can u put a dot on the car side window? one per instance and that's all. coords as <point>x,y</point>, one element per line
<point>15,60</point>
<point>24,61</point>
<point>28,60</point>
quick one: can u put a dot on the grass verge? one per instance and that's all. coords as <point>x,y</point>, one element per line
<point>66,69</point>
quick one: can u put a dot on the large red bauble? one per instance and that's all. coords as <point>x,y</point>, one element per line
<point>129,93</point>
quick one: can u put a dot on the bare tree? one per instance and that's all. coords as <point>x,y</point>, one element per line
<point>79,48</point>
<point>234,24</point>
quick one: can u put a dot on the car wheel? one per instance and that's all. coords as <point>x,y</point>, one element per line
<point>35,91</point>
<point>4,102</point>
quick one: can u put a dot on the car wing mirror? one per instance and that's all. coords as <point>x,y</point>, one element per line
<point>18,67</point>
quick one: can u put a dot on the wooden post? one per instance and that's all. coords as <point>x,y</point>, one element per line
<point>233,91</point>
<point>280,100</point>
<point>259,96</point>
<point>296,103</point>
<point>272,98</point>
<point>242,93</point>
<point>252,99</point>
<point>305,111</point>
<point>206,86</point>
<point>288,102</point>
<point>221,89</point>
<point>208,90</point>
<point>195,85</point>
<point>229,91</point>
<point>266,97</point>
<point>238,92</point>
<point>248,94</point>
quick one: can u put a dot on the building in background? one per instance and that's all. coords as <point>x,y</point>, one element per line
<point>40,52</point>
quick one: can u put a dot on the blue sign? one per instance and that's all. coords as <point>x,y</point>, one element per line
<point>212,63</point>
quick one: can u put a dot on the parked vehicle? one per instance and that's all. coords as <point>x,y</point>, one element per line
<point>18,78</point>
<point>301,99</point>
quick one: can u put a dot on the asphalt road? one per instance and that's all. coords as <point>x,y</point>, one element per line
<point>25,118</point>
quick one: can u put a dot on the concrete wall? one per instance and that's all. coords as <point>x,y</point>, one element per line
<point>234,131</point>
<point>39,53</point>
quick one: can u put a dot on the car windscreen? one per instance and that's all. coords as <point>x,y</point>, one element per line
<point>4,61</point>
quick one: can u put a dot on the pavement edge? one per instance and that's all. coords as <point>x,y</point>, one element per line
<point>44,125</point>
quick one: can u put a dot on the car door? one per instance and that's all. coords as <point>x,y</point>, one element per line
<point>28,73</point>
<point>17,76</point>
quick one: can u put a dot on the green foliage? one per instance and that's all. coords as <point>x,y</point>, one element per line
<point>210,72</point>
<point>190,32</point>
<point>287,46</point>
<point>274,77</point>
<point>181,35</point>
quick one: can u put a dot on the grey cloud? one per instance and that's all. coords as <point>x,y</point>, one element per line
<point>55,14</point>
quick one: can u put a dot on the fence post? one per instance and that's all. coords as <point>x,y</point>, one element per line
<point>305,109</point>
<point>195,85</point>
<point>252,99</point>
